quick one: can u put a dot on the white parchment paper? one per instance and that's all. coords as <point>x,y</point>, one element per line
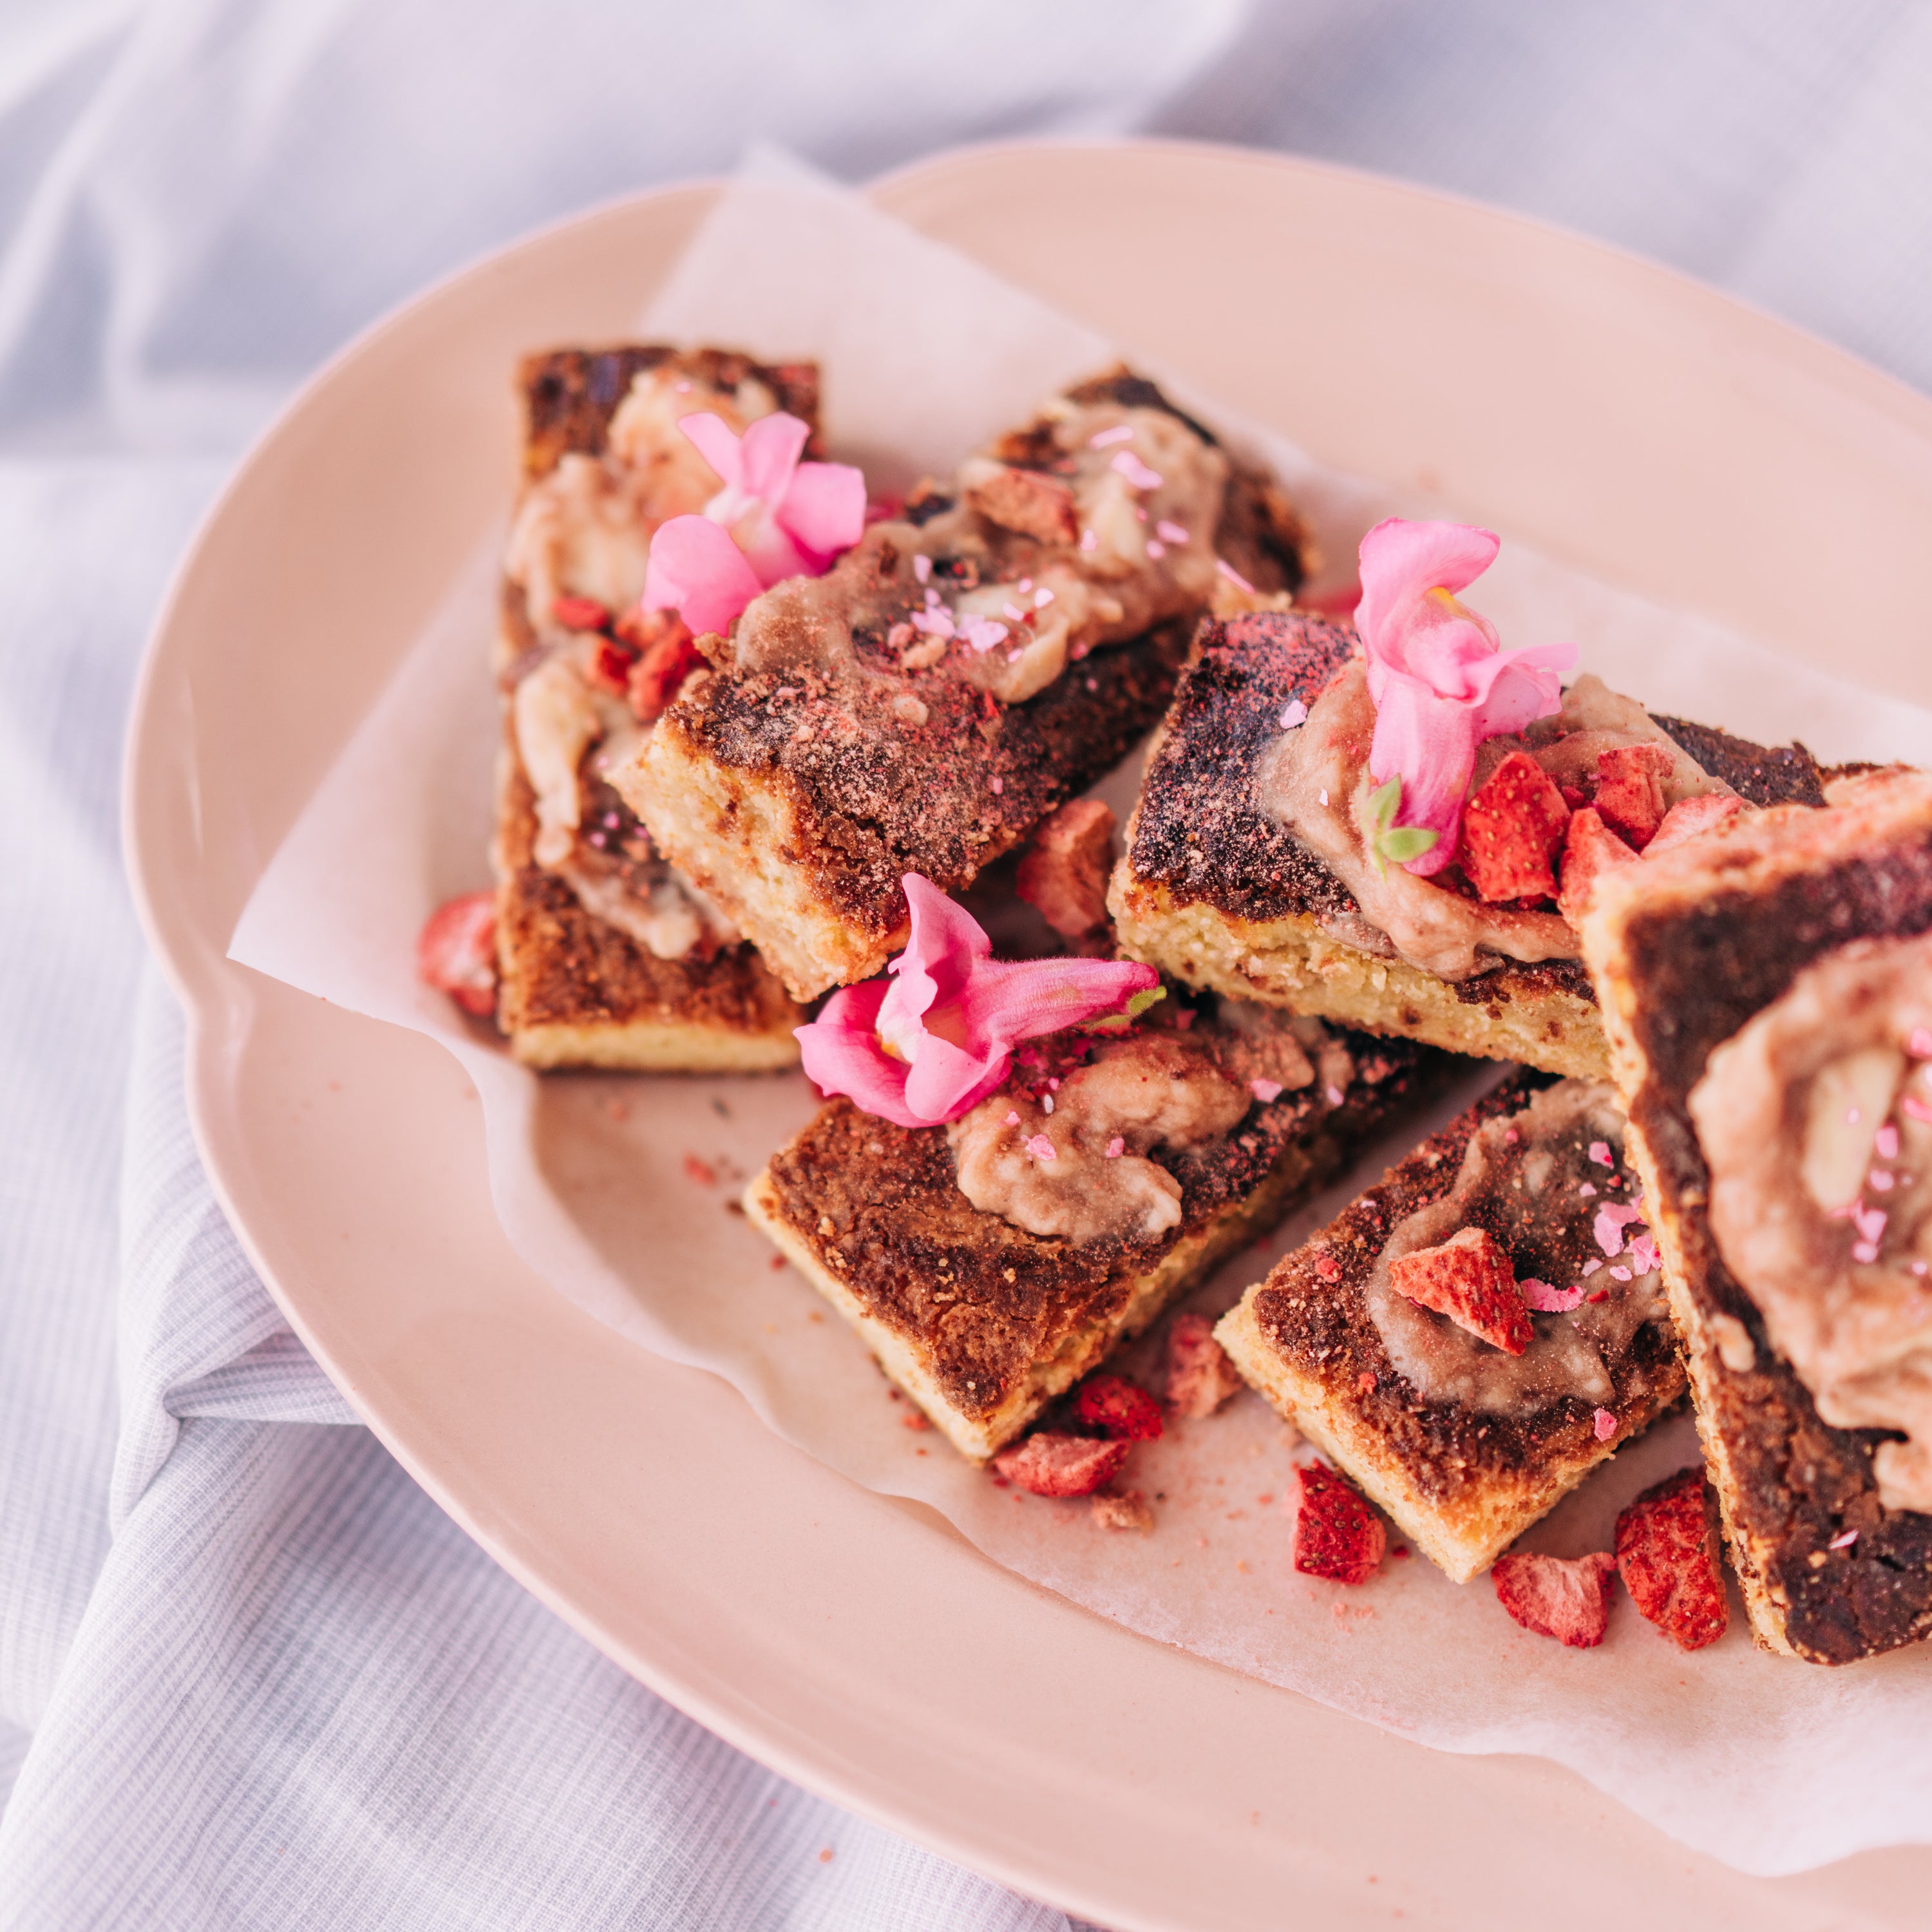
<point>615,1188</point>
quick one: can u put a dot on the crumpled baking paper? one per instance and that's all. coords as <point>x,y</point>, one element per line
<point>615,1189</point>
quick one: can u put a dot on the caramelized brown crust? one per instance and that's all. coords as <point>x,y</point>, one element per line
<point>1718,933</point>
<point>873,797</point>
<point>571,394</point>
<point>1211,880</point>
<point>1463,1483</point>
<point>983,1305</point>
<point>574,991</point>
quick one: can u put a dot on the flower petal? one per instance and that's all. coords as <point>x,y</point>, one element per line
<point>1402,562</point>
<point>824,510</point>
<point>840,1053</point>
<point>711,436</point>
<point>697,571</point>
<point>768,453</point>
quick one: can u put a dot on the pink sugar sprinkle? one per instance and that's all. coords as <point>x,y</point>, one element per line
<point>681,387</point>
<point>1609,1224</point>
<point>1870,1222</point>
<point>1013,613</point>
<point>1879,1181</point>
<point>1918,1267</point>
<point>1136,472</point>
<point>999,786</point>
<point>1184,1018</point>
<point>1588,1192</point>
<point>1549,1300</point>
<point>1265,1091</point>
<point>982,633</point>
<point>1116,1147</point>
<point>1620,1274</point>
<point>1885,1141</point>
<point>1920,1044</point>
<point>922,568</point>
<point>1590,1266</point>
<point>1012,1119</point>
<point>1864,1251</point>
<point>1013,656</point>
<point>1336,1097</point>
<point>933,623</point>
<point>1053,1085</point>
<point>1042,597</point>
<point>1041,1148</point>
<point>1324,794</point>
<point>1914,1108</point>
<point>1156,549</point>
<point>1600,1152</point>
<point>1294,714</point>
<point>1119,432</point>
<point>1088,541</point>
<point>1642,1253</point>
<point>1607,1425</point>
<point>1047,1103</point>
<point>1510,1137</point>
<point>1233,575</point>
<point>1845,1542</point>
<point>1168,531</point>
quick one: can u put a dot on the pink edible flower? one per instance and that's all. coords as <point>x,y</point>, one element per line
<point>774,517</point>
<point>1441,681</point>
<point>1547,1300</point>
<point>930,1042</point>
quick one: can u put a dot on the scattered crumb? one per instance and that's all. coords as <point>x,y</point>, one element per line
<point>1128,1511</point>
<point>825,1856</point>
<point>617,1109</point>
<point>815,1315</point>
<point>915,1418</point>
<point>777,1262</point>
<point>701,1172</point>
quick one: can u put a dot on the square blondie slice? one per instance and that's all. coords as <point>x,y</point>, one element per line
<point>607,957</point>
<point>990,1265</point>
<point>1222,884</point>
<point>1768,995</point>
<point>969,666</point>
<point>1465,1438</point>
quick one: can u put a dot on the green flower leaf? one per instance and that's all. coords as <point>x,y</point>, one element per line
<point>1137,1004</point>
<point>1405,842</point>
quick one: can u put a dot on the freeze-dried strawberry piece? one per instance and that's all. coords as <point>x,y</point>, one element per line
<point>610,667</point>
<point>1118,1407</point>
<point>1668,1556</point>
<point>1048,1465</point>
<point>456,952</point>
<point>1590,849</point>
<point>1512,831</point>
<point>1567,1598</point>
<point>1200,1376</point>
<point>1468,1278</point>
<point>1629,790</point>
<point>1336,1534</point>
<point>1064,872</point>
<point>1689,816</point>
<point>666,657</point>
<point>579,613</point>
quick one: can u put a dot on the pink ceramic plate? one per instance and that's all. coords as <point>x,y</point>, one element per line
<point>1623,418</point>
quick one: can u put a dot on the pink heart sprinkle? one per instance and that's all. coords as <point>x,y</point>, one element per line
<point>1879,1181</point>
<point>1607,1425</point>
<point>922,568</point>
<point>1600,1152</point>
<point>1136,472</point>
<point>1588,1192</point>
<point>1168,531</point>
<point>1870,1222</point>
<point>1620,1274</point>
<point>1156,549</point>
<point>1920,1044</point>
<point>1864,1251</point>
<point>1042,599</point>
<point>1116,1147</point>
<point>1265,1091</point>
<point>1336,1097</point>
<point>1915,1107</point>
<point>1590,1266</point>
<point>1885,1141</point>
<point>1041,1148</point>
<point>1294,714</point>
<point>1119,432</point>
<point>1012,1119</point>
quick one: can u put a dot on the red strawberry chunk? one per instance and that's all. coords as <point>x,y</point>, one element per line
<point>1567,1598</point>
<point>1691,816</point>
<point>456,952</point>
<point>610,667</point>
<point>1469,1278</point>
<point>1590,849</point>
<point>1512,831</point>
<point>1336,1534</point>
<point>1047,1465</point>
<point>1668,1556</point>
<point>1064,873</point>
<point>668,655</point>
<point>1118,1408</point>
<point>579,613</point>
<point>1629,790</point>
<point>1200,1374</point>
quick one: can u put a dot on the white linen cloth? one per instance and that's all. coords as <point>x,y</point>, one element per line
<point>249,1675</point>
